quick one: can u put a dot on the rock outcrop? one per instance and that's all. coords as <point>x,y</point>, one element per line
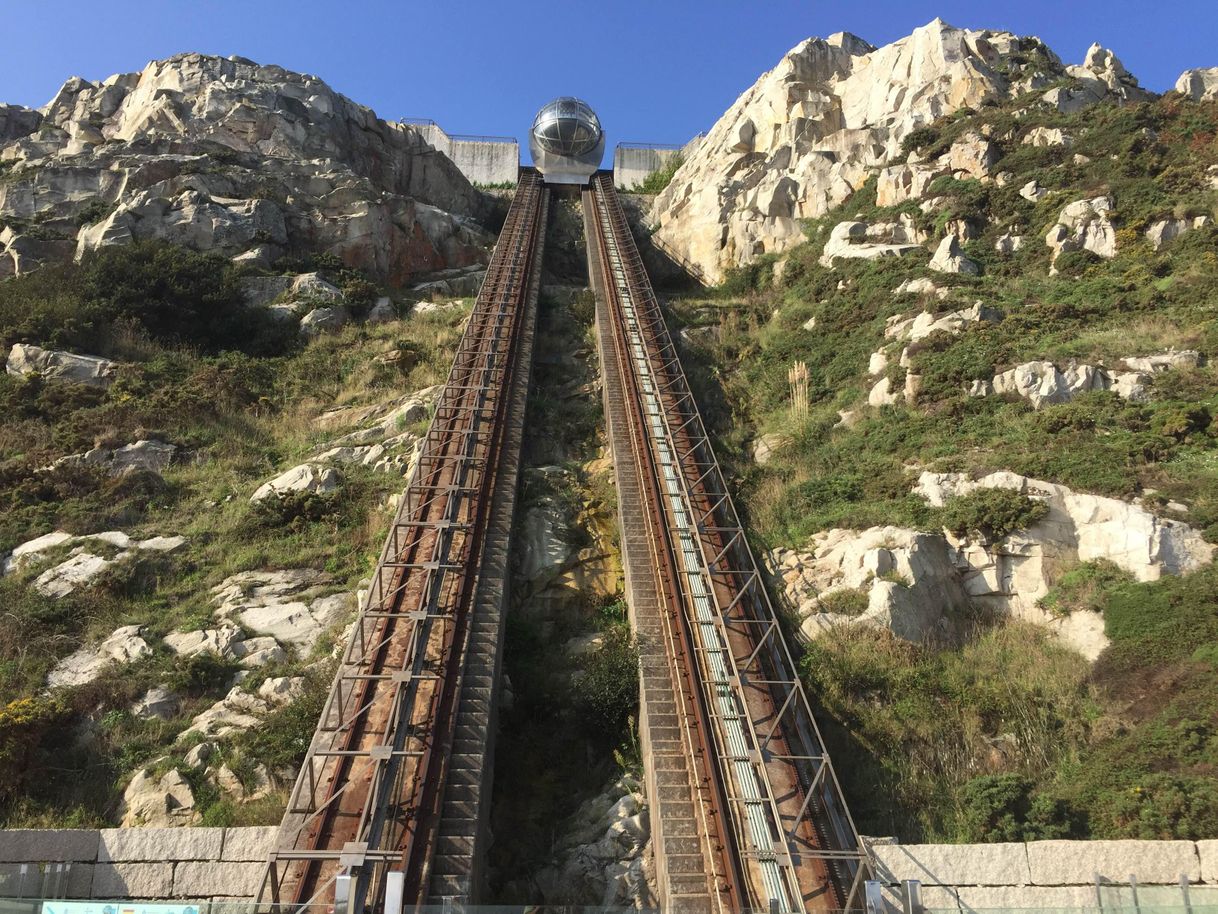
<point>602,856</point>
<point>126,645</point>
<point>294,606</point>
<point>1084,226</point>
<point>1201,84</point>
<point>811,131</point>
<point>224,155</point>
<point>1042,382</point>
<point>918,584</point>
<point>305,479</point>
<point>850,240</point>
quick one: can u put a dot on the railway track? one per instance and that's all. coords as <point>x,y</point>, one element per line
<point>776,833</point>
<point>391,799</point>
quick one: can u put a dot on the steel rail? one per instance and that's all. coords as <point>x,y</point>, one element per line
<point>711,803</point>
<point>357,803</point>
<point>788,803</point>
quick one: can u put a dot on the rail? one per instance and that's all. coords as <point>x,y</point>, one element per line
<point>365,807</point>
<point>795,845</point>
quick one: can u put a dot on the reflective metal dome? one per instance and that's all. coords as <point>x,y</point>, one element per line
<point>567,127</point>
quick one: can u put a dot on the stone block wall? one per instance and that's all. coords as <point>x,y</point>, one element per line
<point>138,864</point>
<point>968,878</point>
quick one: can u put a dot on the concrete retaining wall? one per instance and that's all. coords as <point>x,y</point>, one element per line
<point>1049,874</point>
<point>483,160</point>
<point>138,864</point>
<point>632,162</point>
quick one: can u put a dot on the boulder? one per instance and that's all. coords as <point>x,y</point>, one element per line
<point>60,366</point>
<point>311,287</point>
<point>1094,527</point>
<point>1008,244</point>
<point>85,665</point>
<point>219,641</point>
<point>851,240</point>
<point>920,286</point>
<point>66,577</point>
<point>598,858</point>
<point>911,586</point>
<point>260,291</point>
<point>883,394</point>
<point>1047,136</point>
<point>1165,230</point>
<point>306,479</point>
<point>146,455</point>
<point>383,312</point>
<point>323,320</point>
<point>974,156</point>
<point>1032,191</point>
<point>766,444</point>
<point>157,702</point>
<point>925,324</point>
<point>1084,226</point>
<point>1102,77</point>
<point>238,710</point>
<point>1043,382</point>
<point>949,258</point>
<point>158,801</point>
<point>32,550</point>
<point>1200,84</point>
<point>898,183</point>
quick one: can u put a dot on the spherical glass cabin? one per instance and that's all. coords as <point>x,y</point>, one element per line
<point>567,141</point>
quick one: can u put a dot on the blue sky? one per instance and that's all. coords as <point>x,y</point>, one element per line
<point>655,70</point>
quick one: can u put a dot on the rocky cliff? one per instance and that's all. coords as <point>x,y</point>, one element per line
<point>224,155</point>
<point>812,131</point>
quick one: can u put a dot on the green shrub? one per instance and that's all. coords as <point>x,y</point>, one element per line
<point>993,513</point>
<point>1005,807</point>
<point>1085,588</point>
<point>848,601</point>
<point>659,179</point>
<point>607,691</point>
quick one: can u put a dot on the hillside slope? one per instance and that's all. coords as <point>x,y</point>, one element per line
<point>993,525</point>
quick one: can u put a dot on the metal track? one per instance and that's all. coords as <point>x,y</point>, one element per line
<point>790,844</point>
<point>370,797</point>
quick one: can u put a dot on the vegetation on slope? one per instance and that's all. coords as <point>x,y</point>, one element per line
<point>1006,735</point>
<point>239,395</point>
